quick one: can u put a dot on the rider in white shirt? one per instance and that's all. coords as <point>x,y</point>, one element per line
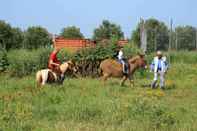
<point>121,60</point>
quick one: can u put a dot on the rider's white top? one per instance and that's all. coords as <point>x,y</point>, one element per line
<point>120,55</point>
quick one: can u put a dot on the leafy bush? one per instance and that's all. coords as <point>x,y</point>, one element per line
<point>3,60</point>
<point>131,50</point>
<point>88,59</point>
<point>25,62</point>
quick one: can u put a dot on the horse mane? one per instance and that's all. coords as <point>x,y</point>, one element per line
<point>133,59</point>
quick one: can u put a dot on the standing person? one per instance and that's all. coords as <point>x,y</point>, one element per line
<point>120,57</point>
<point>159,66</point>
<point>54,64</point>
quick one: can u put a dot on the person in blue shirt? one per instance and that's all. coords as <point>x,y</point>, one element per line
<point>159,66</point>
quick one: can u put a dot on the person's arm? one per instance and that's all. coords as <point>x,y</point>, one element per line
<point>55,64</point>
<point>152,65</point>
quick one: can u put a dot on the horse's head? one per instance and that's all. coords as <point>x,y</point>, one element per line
<point>139,61</point>
<point>72,66</point>
<point>69,65</point>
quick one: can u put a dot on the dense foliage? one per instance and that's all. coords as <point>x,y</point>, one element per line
<point>185,38</point>
<point>71,32</point>
<point>14,38</point>
<point>157,35</point>
<point>36,37</point>
<point>24,62</point>
<point>10,37</point>
<point>3,60</point>
<point>107,30</point>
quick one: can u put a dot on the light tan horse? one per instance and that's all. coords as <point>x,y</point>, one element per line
<point>112,68</point>
<point>48,76</point>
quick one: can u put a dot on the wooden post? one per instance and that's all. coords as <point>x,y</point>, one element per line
<point>176,41</point>
<point>170,41</point>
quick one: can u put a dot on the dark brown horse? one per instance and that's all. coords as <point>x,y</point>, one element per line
<point>112,68</point>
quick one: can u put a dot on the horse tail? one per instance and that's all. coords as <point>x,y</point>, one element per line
<point>38,79</point>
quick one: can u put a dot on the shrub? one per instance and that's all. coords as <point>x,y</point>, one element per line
<point>88,59</point>
<point>3,60</point>
<point>131,50</point>
<point>24,62</point>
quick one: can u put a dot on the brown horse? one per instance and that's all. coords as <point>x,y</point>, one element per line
<point>48,76</point>
<point>112,68</point>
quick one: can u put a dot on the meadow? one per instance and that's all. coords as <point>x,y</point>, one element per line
<point>85,104</point>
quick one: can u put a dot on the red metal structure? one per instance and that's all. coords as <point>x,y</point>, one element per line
<point>76,44</point>
<point>73,44</point>
<point>122,42</point>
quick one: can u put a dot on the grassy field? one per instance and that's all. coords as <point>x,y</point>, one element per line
<point>86,105</point>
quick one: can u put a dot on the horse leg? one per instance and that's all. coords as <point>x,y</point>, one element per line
<point>131,80</point>
<point>38,79</point>
<point>123,80</point>
<point>44,77</point>
<point>105,77</point>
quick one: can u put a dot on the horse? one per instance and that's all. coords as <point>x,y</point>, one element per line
<point>48,76</point>
<point>112,68</point>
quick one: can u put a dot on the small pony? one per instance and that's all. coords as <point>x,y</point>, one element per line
<point>48,76</point>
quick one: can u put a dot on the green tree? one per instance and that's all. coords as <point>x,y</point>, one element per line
<point>71,32</point>
<point>185,38</point>
<point>3,60</point>
<point>107,30</point>
<point>36,37</point>
<point>157,35</point>
<point>17,39</point>
<point>5,35</point>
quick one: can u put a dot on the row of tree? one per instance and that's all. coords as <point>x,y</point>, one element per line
<point>14,38</point>
<point>158,35</point>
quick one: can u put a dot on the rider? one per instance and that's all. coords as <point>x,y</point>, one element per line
<point>120,57</point>
<point>54,64</point>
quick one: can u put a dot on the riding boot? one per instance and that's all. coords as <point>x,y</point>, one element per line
<point>127,68</point>
<point>123,69</point>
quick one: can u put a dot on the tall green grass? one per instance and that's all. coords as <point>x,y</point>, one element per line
<point>189,57</point>
<point>87,104</point>
<point>25,62</point>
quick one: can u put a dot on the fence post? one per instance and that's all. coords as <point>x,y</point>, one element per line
<point>170,41</point>
<point>143,35</point>
<point>176,40</point>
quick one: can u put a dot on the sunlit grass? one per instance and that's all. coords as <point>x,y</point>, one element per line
<point>86,104</point>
